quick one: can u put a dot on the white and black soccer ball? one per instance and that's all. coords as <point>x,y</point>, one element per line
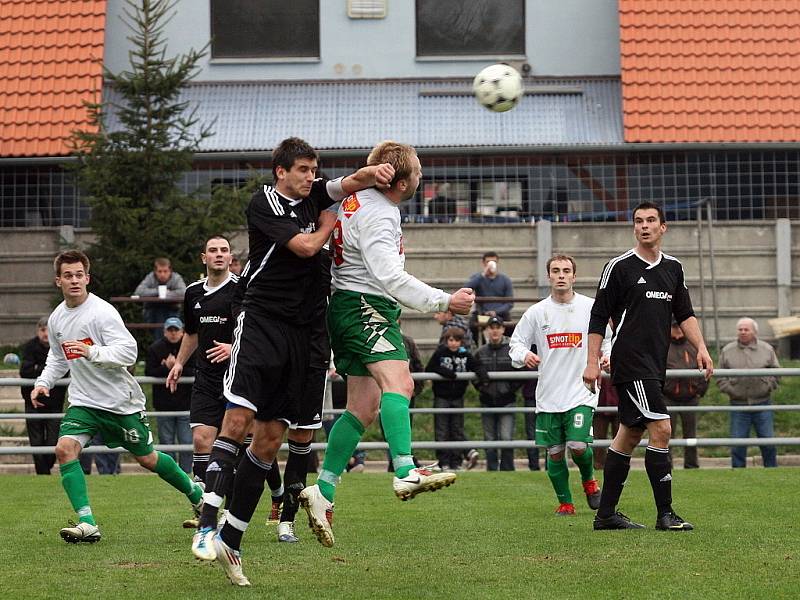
<point>11,360</point>
<point>498,87</point>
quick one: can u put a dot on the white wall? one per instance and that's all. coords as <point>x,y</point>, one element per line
<point>563,38</point>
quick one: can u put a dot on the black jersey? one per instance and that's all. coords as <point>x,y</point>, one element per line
<point>280,284</point>
<point>207,312</point>
<point>640,299</point>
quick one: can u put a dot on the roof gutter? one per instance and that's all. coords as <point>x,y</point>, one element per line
<point>264,155</point>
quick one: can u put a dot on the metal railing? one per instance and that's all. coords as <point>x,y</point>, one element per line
<point>432,445</point>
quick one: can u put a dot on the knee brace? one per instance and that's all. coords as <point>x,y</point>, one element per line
<point>577,446</point>
<point>557,449</point>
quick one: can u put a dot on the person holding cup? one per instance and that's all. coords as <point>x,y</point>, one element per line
<point>490,282</point>
<point>164,283</point>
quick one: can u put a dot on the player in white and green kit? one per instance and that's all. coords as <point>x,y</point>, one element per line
<point>558,327</point>
<point>369,282</point>
<point>89,339</point>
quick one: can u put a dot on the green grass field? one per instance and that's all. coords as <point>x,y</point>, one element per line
<point>492,535</point>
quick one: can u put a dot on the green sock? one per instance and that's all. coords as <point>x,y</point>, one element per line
<point>559,477</point>
<point>397,431</point>
<point>169,471</point>
<point>74,483</point>
<point>585,463</point>
<point>342,441</point>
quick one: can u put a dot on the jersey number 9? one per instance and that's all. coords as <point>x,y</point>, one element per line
<point>337,250</point>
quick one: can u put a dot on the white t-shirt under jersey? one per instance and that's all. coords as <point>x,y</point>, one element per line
<point>102,380</point>
<point>368,254</point>
<point>560,332</point>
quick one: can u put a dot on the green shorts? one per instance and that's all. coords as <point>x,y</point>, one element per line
<point>575,425</point>
<point>132,432</point>
<point>363,329</point>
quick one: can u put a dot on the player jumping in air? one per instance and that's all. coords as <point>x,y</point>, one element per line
<point>369,280</point>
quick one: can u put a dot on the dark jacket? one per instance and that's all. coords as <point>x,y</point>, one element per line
<point>497,392</point>
<point>683,355</point>
<point>447,363</point>
<point>163,399</point>
<point>34,355</point>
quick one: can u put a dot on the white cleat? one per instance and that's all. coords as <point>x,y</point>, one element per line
<point>80,533</point>
<point>203,544</point>
<point>421,480</point>
<point>286,532</point>
<point>320,514</point>
<point>231,561</point>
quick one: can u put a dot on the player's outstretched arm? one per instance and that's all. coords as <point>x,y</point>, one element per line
<point>461,301</point>
<point>379,176</point>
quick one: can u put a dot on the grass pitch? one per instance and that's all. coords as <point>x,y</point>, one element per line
<point>491,535</point>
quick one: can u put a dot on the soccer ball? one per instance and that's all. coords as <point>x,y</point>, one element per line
<point>498,87</point>
<point>11,360</point>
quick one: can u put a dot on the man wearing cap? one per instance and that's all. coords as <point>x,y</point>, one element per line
<point>494,356</point>
<point>160,360</point>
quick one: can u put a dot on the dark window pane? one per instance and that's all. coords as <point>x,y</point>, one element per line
<point>470,27</point>
<point>264,28</point>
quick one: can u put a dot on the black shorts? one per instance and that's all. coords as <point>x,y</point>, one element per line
<point>640,402</point>
<point>309,414</point>
<point>207,406</point>
<point>267,372</point>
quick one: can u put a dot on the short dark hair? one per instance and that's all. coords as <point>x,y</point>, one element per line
<point>488,254</point>
<point>453,332</point>
<point>288,151</point>
<point>162,261</point>
<point>648,205</point>
<point>70,257</point>
<point>556,257</point>
<point>216,236</point>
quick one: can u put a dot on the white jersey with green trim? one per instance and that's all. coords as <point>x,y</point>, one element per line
<point>368,255</point>
<point>100,380</point>
<point>560,332</point>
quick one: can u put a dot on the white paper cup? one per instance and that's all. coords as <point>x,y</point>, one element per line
<point>162,291</point>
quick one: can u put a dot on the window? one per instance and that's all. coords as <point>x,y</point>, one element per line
<point>271,29</point>
<point>470,28</point>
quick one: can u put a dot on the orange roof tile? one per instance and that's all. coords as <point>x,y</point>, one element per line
<point>710,70</point>
<point>51,57</point>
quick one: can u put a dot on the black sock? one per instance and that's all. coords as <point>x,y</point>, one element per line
<point>247,489</point>
<point>274,478</point>
<point>199,465</point>
<point>659,471</point>
<point>614,475</point>
<point>219,478</point>
<point>245,445</point>
<point>294,477</point>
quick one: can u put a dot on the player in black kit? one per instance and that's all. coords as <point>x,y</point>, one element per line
<point>639,292</point>
<point>287,226</point>
<point>209,330</point>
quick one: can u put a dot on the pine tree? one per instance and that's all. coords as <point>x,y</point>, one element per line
<point>129,175</point>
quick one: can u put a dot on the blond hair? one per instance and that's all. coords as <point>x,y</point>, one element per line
<point>400,156</point>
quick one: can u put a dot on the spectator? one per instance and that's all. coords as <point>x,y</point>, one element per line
<point>107,463</point>
<point>448,360</point>
<point>602,421</point>
<point>493,356</point>
<point>490,282</point>
<point>161,282</point>
<point>41,432</point>
<point>684,391</point>
<point>748,352</point>
<point>529,398</point>
<point>448,319</point>
<point>160,360</point>
<point>236,265</point>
